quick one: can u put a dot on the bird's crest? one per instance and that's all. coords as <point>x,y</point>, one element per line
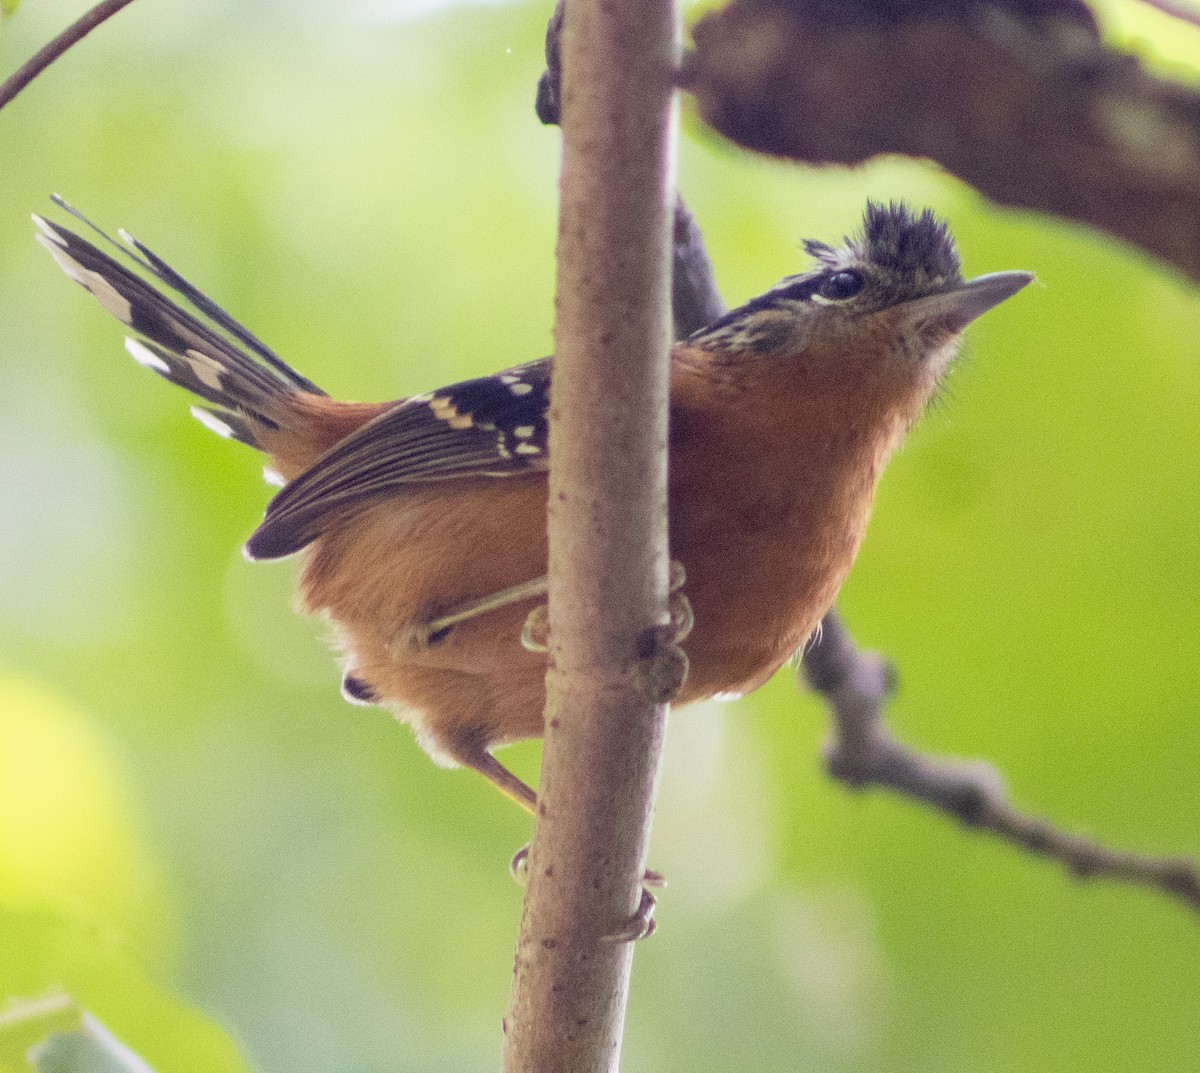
<point>901,242</point>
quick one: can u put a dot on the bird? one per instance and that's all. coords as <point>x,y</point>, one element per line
<point>422,521</point>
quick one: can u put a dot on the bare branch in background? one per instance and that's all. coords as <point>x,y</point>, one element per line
<point>1019,98</point>
<point>46,55</point>
<point>863,753</point>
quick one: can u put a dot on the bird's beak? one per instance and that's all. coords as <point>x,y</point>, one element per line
<point>955,307</point>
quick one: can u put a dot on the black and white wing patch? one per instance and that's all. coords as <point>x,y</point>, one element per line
<point>491,427</point>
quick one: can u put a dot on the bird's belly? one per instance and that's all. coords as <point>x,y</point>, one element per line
<point>759,581</point>
<point>393,567</point>
<point>757,596</point>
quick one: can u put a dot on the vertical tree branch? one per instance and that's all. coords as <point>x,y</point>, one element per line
<point>608,527</point>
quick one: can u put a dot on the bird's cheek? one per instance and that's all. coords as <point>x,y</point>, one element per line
<point>941,355</point>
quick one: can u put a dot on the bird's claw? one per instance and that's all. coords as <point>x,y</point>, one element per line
<point>639,926</point>
<point>679,607</point>
<point>535,636</point>
<point>651,878</point>
<point>519,868</point>
<point>661,666</point>
<point>676,575</point>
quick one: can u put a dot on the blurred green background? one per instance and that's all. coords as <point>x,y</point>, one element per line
<point>233,869</point>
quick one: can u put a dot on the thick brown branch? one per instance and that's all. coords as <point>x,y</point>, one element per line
<point>46,55</point>
<point>1020,98</point>
<point>863,753</point>
<point>608,549</point>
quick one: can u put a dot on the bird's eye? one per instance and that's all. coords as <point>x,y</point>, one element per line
<point>841,285</point>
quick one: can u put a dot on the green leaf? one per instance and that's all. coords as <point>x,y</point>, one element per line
<point>90,1049</point>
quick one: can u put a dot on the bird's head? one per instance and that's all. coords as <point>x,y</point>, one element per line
<point>890,302</point>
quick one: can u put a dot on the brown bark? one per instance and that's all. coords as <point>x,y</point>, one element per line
<point>1020,98</point>
<point>608,551</point>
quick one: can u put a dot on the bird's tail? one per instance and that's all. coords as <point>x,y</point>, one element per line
<point>253,394</point>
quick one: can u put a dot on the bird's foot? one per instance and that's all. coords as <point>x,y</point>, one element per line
<point>639,926</point>
<point>659,667</point>
<point>535,636</point>
<point>519,867</point>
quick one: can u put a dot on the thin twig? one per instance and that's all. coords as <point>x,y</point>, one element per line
<point>46,55</point>
<point>1177,9</point>
<point>863,753</point>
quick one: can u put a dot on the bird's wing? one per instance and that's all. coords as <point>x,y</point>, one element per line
<point>491,427</point>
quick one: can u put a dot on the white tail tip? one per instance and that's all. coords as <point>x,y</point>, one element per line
<point>212,422</point>
<point>143,355</point>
